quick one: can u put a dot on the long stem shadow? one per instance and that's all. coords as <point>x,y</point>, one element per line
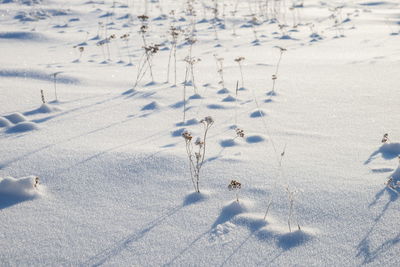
<point>364,247</point>
<point>113,251</point>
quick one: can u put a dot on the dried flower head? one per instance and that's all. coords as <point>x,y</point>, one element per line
<point>36,182</point>
<point>152,49</point>
<point>192,60</point>
<point>191,40</point>
<point>239,59</point>
<point>174,31</point>
<point>81,49</point>
<point>385,138</point>
<point>42,95</point>
<point>187,136</point>
<point>239,132</point>
<point>207,120</point>
<point>199,142</point>
<point>143,18</point>
<point>102,42</point>
<point>234,185</point>
<point>125,36</point>
<point>143,29</point>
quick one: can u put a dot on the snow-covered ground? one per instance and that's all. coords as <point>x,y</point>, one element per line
<point>114,179</point>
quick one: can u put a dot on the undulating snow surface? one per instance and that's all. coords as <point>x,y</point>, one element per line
<point>312,85</point>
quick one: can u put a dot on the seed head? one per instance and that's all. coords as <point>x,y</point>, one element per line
<point>234,185</point>
<point>207,120</point>
<point>239,59</point>
<point>187,136</point>
<point>143,18</point>
<point>385,138</point>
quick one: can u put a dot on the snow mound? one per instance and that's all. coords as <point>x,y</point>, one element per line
<point>190,122</point>
<point>231,209</point>
<point>23,127</point>
<point>195,96</point>
<point>391,148</point>
<point>250,220</point>
<point>228,142</point>
<point>294,239</point>
<point>396,178</point>
<point>195,197</point>
<point>216,106</point>
<point>4,122</point>
<point>23,187</point>
<point>16,117</point>
<point>22,2</point>
<point>258,113</point>
<point>251,139</point>
<point>23,36</point>
<point>223,91</point>
<point>151,106</point>
<point>178,132</point>
<point>37,75</point>
<point>44,108</point>
<point>387,151</point>
<point>229,98</point>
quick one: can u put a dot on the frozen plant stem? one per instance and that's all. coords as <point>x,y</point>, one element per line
<point>42,95</point>
<point>236,101</point>
<point>196,158</point>
<point>150,51</point>
<point>235,186</point>
<point>268,207</point>
<point>55,84</point>
<point>174,35</point>
<point>275,76</point>
<point>125,38</point>
<point>220,69</point>
<point>239,60</point>
<point>184,93</point>
<point>291,202</point>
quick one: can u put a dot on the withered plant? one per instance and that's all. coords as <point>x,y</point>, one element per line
<point>125,38</point>
<point>55,83</point>
<point>143,28</point>
<point>385,138</point>
<point>42,96</point>
<point>235,186</point>
<point>143,66</point>
<point>174,33</point>
<point>196,152</point>
<point>36,182</point>
<point>219,61</point>
<point>275,75</point>
<point>239,61</point>
<point>290,195</point>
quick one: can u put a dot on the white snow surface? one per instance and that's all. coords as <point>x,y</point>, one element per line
<point>23,187</point>
<point>113,164</point>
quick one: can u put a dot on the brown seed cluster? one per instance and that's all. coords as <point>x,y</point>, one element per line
<point>207,120</point>
<point>385,138</point>
<point>239,59</point>
<point>187,136</point>
<point>143,18</point>
<point>36,183</point>
<point>152,49</point>
<point>239,132</point>
<point>174,32</point>
<point>125,36</point>
<point>234,185</point>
